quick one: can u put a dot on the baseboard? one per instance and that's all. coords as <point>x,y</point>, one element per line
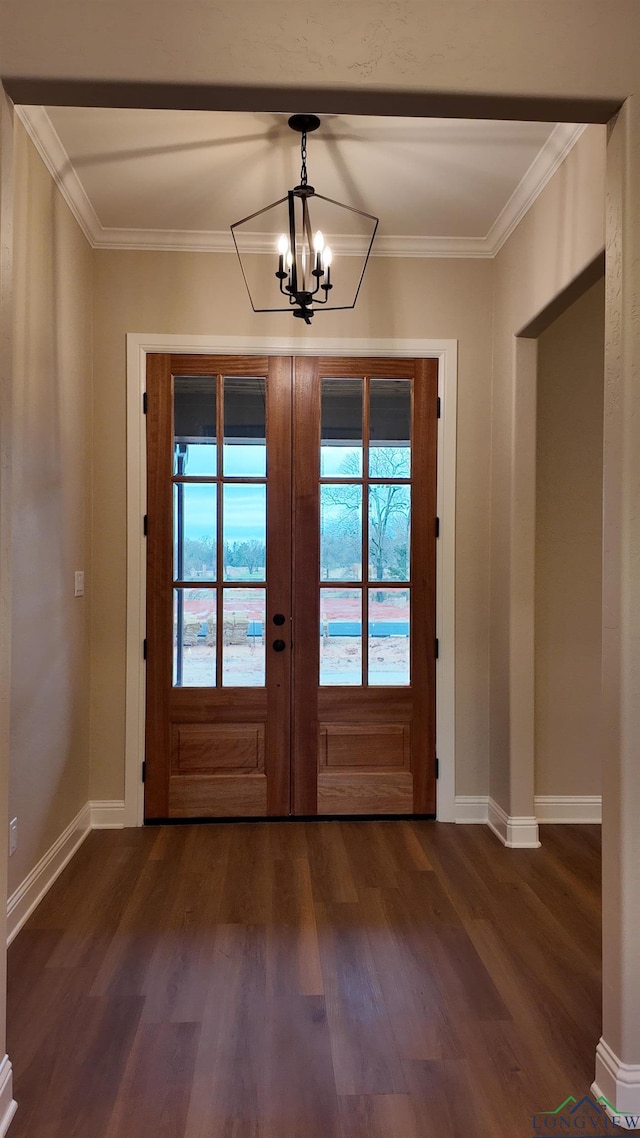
<point>617,1087</point>
<point>107,815</point>
<point>566,808</point>
<point>23,901</point>
<point>472,810</point>
<point>8,1104</point>
<point>561,809</point>
<point>514,832</point>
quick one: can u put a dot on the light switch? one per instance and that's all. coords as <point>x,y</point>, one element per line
<point>79,583</point>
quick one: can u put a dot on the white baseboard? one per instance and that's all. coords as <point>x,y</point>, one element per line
<point>107,815</point>
<point>472,810</point>
<point>23,901</point>
<point>566,808</point>
<point>8,1104</point>
<point>617,1087</point>
<point>516,833</point>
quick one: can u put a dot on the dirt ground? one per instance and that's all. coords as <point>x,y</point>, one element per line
<point>340,662</point>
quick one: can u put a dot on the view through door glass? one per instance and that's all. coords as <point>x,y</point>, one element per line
<point>365,525</point>
<point>219,518</point>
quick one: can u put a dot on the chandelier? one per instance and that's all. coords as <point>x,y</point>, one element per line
<point>300,278</point>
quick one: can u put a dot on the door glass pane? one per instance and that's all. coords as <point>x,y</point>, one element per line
<point>245,444</point>
<point>390,428</point>
<point>194,424</point>
<point>389,525</point>
<point>243,661</point>
<point>341,445</point>
<point>194,638</point>
<point>194,531</point>
<point>245,531</point>
<point>340,637</point>
<point>389,637</point>
<point>340,532</point>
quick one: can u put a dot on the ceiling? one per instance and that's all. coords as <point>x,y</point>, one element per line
<point>178,179</point>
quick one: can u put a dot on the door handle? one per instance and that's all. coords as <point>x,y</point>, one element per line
<point>279,646</point>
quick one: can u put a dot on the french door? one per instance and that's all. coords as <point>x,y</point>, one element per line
<point>290,586</point>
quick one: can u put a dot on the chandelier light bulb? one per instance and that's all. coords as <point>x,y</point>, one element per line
<point>318,241</point>
<point>289,258</point>
<point>327,257</point>
<point>283,245</point>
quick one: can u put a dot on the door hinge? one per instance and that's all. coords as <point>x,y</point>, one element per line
<point>437,527</point>
<point>144,771</point>
<point>438,407</point>
<point>437,769</point>
<point>144,648</point>
<point>144,402</point>
<point>437,647</point>
<point>145,524</point>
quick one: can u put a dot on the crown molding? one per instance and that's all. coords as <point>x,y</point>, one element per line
<point>45,138</point>
<point>561,140</point>
<point>347,245</point>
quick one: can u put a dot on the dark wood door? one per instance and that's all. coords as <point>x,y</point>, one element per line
<point>291,586</point>
<point>218,587</point>
<point>364,586</point>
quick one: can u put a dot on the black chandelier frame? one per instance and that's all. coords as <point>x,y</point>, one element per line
<point>303,299</point>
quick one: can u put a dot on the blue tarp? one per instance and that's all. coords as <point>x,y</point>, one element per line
<point>380,628</point>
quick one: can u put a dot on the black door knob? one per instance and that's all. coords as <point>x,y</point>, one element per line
<point>279,646</point>
<point>279,618</point>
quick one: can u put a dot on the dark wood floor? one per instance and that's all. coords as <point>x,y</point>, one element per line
<point>327,980</point>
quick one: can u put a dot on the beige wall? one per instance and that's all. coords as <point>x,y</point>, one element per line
<point>559,236</point>
<point>568,599</point>
<point>340,54</point>
<point>49,767</point>
<point>6,382</point>
<point>201,293</point>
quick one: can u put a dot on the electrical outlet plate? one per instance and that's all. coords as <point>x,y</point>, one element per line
<point>79,583</point>
<point>13,836</point>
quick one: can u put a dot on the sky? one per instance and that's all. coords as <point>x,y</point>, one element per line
<point>245,504</point>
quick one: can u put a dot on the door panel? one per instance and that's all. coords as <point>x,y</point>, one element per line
<point>291,586</point>
<point>218,698</point>
<point>364,688</point>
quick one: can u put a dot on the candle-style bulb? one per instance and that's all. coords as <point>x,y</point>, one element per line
<point>327,257</point>
<point>283,244</point>
<point>289,259</point>
<point>318,242</point>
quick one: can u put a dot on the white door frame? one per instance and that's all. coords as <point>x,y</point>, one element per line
<point>138,345</point>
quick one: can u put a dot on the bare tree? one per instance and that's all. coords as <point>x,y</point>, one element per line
<point>389,506</point>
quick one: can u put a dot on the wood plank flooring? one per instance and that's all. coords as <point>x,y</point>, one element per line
<point>308,980</point>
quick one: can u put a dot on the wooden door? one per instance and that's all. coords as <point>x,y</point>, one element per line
<point>290,586</point>
<point>218,587</point>
<point>364,586</point>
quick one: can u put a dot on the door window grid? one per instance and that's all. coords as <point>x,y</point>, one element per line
<point>385,651</point>
<point>219,632</point>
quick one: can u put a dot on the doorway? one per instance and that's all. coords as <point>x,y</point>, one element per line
<point>291,586</point>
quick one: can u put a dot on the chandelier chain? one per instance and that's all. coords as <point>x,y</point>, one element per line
<point>303,156</point>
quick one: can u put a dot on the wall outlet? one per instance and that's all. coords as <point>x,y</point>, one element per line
<point>13,836</point>
<point>79,583</point>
